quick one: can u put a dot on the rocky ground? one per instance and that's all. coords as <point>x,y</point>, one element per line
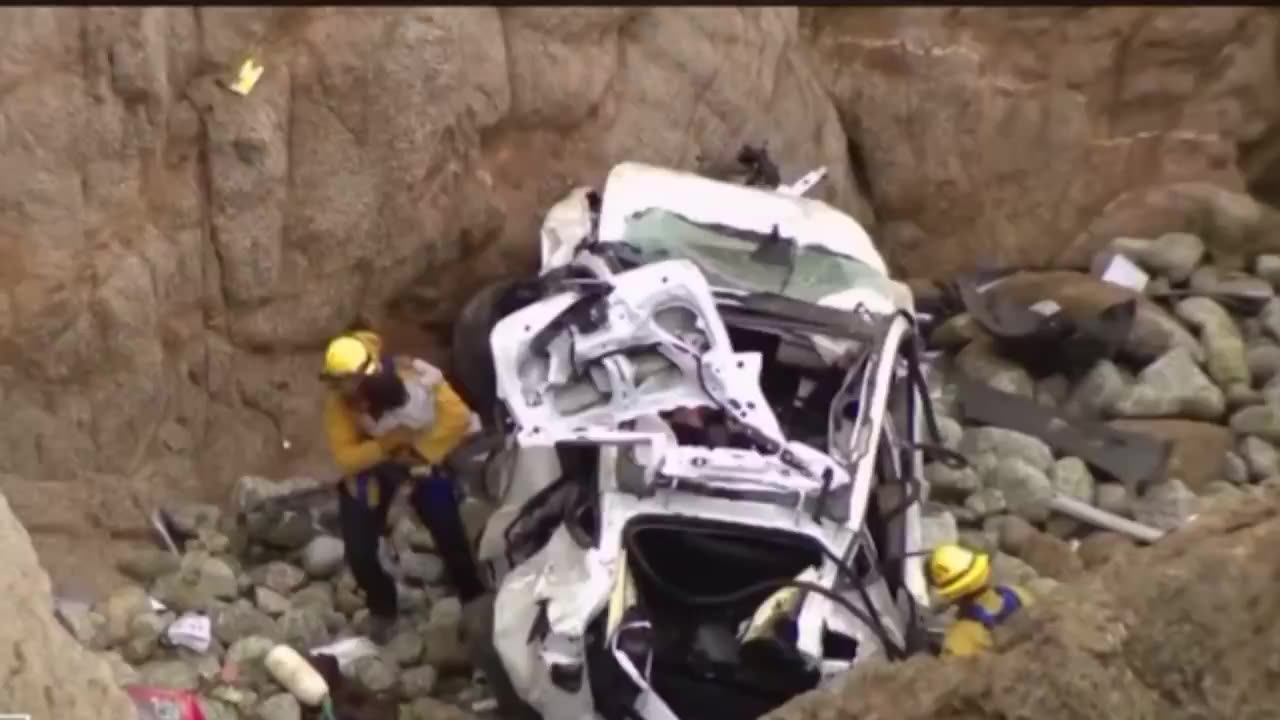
<point>267,578</point>
<point>1197,373</point>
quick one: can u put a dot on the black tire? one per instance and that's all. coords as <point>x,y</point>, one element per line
<point>477,620</point>
<point>471,356</point>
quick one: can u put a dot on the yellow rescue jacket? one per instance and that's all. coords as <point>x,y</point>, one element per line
<point>354,450</point>
<point>970,634</point>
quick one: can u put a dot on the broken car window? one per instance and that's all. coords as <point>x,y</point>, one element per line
<point>725,256</point>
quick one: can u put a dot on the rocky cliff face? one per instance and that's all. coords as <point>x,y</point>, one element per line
<point>173,255</point>
<point>1010,134</point>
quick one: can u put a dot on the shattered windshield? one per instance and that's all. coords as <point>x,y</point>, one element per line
<point>733,258</point>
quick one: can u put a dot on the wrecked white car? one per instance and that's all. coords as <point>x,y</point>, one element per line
<point>709,406</point>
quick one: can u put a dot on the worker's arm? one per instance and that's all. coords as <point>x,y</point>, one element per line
<point>965,638</point>
<point>452,423</point>
<point>351,450</point>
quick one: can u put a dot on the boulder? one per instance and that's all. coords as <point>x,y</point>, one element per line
<point>47,673</point>
<point>1223,344</point>
<point>1197,449</point>
<point>281,706</point>
<point>1166,505</point>
<point>1082,297</point>
<point>198,584</point>
<point>1025,490</point>
<point>1260,420</point>
<point>981,361</point>
<point>323,556</point>
<point>986,446</point>
<point>1173,386</point>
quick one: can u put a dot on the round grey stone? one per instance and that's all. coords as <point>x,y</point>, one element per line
<point>1026,490</point>
<point>1263,359</point>
<point>1114,498</point>
<point>1166,506</point>
<point>146,564</point>
<point>1260,420</point>
<point>405,648</point>
<point>323,556</point>
<point>279,576</point>
<point>1261,456</point>
<point>240,620</point>
<point>1234,468</point>
<point>171,674</point>
<point>422,568</point>
<point>985,503</point>
<point>270,602</point>
<point>1173,386</point>
<point>281,706</point>
<point>305,628</point>
<point>1071,477</point>
<point>418,682</point>
<point>947,480</point>
<point>317,594</point>
<point>986,446</point>
<point>935,529</point>
<point>373,673</point>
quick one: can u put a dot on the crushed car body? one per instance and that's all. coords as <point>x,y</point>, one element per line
<point>710,407</point>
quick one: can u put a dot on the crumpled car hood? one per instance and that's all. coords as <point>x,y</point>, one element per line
<point>652,343</point>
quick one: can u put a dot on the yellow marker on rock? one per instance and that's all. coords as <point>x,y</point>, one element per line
<point>248,75</point>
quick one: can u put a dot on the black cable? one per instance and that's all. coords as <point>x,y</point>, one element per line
<point>882,632</point>
<point>914,491</point>
<point>892,649</point>
<point>877,625</point>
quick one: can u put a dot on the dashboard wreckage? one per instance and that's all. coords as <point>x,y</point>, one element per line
<point>705,419</point>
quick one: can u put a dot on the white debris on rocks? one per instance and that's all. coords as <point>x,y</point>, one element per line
<point>258,581</point>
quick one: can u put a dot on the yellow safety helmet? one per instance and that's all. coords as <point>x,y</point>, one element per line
<point>348,355</point>
<point>956,571</point>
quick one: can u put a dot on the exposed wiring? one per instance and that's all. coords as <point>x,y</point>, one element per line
<point>882,632</point>
<point>892,649</point>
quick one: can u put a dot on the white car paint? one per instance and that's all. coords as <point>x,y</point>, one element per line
<point>574,582</point>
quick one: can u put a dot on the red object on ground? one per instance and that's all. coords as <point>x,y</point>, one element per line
<point>155,703</point>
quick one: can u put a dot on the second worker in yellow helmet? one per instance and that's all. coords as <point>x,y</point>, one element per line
<point>963,577</point>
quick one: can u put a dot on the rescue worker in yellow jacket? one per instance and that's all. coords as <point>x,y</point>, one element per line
<point>963,577</point>
<point>391,420</point>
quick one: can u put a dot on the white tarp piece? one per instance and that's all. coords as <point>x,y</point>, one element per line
<point>567,224</point>
<point>1119,270</point>
<point>804,184</point>
<point>347,650</point>
<point>192,631</point>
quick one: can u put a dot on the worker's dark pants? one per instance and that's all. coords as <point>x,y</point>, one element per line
<point>435,500</point>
